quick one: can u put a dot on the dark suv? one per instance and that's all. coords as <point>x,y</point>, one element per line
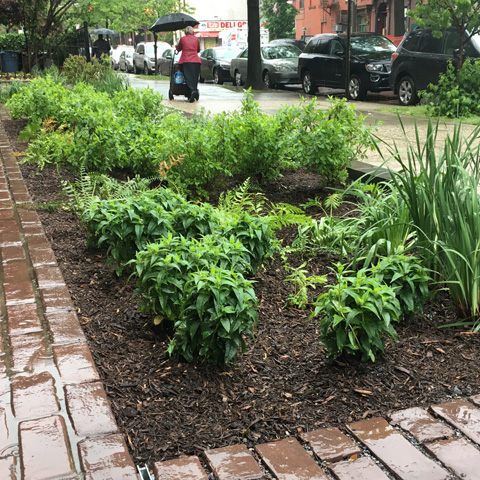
<point>421,58</point>
<point>322,63</point>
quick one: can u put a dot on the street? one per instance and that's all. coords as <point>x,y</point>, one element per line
<point>218,98</point>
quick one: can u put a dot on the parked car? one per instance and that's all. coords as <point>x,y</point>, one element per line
<point>144,56</point>
<point>125,62</point>
<point>290,41</point>
<point>165,61</point>
<point>322,63</point>
<point>279,65</point>
<point>216,64</point>
<point>115,55</point>
<point>421,58</point>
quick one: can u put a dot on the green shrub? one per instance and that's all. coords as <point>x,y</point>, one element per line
<point>141,104</point>
<point>408,278</point>
<point>457,94</point>
<point>255,235</point>
<point>357,315</point>
<point>125,226</point>
<point>39,100</point>
<point>219,310</point>
<point>7,90</point>
<point>162,268</point>
<point>12,42</point>
<point>325,141</point>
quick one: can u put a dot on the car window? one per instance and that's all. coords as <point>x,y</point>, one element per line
<point>129,54</point>
<point>411,40</point>
<point>318,45</point>
<point>149,49</point>
<point>141,49</point>
<point>371,44</point>
<point>451,41</point>
<point>227,53</point>
<point>281,51</point>
<point>429,44</point>
<point>244,54</point>
<point>335,46</point>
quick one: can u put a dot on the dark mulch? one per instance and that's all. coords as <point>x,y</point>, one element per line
<point>282,385</point>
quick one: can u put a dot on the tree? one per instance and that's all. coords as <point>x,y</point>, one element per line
<point>440,14</point>
<point>254,62</point>
<point>280,18</point>
<point>10,14</point>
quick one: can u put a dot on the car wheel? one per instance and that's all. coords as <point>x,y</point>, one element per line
<point>267,81</point>
<point>170,94</point>
<point>307,83</point>
<point>407,92</point>
<point>356,91</point>
<point>238,78</point>
<point>216,77</point>
<point>201,79</point>
<point>146,71</point>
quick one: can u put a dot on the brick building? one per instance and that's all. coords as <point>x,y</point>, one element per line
<point>387,17</point>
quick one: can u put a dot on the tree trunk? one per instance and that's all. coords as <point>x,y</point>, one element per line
<point>254,63</point>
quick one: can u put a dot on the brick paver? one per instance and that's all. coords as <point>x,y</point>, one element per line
<point>233,462</point>
<point>421,424</point>
<point>395,451</point>
<point>287,460</point>
<point>330,444</point>
<point>361,468</point>
<point>460,456</point>
<point>462,415</point>
<point>183,468</point>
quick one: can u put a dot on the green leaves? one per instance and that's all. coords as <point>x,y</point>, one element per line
<point>357,314</point>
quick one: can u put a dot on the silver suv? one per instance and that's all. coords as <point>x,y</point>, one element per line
<point>144,56</point>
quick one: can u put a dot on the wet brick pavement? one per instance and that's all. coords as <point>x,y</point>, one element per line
<point>56,422</point>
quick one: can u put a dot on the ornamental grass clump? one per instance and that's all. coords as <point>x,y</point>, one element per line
<point>440,188</point>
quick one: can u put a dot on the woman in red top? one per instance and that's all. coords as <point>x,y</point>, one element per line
<point>190,62</point>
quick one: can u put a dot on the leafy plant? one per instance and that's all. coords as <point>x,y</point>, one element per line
<point>302,282</point>
<point>457,93</point>
<point>357,315</point>
<point>408,278</point>
<point>220,309</point>
<point>162,269</point>
<point>441,191</point>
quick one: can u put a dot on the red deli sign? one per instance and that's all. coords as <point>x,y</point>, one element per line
<point>226,24</point>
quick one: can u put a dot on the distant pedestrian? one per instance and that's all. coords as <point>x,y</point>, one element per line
<point>190,62</point>
<point>101,46</point>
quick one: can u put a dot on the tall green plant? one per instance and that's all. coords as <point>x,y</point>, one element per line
<point>440,188</point>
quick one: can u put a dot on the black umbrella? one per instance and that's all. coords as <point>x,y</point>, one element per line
<point>173,21</point>
<point>103,31</point>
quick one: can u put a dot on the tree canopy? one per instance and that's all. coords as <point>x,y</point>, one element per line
<point>441,14</point>
<point>280,18</point>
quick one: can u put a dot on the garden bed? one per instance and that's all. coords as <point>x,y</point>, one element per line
<point>283,384</point>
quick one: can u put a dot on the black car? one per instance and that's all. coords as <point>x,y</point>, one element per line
<point>421,58</point>
<point>322,63</point>
<point>216,64</point>
<point>291,41</point>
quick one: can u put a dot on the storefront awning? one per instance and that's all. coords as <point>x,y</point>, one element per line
<point>206,34</point>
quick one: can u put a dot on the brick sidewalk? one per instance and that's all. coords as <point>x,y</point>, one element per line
<point>56,422</point>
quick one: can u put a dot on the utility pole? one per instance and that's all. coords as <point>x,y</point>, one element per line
<point>347,53</point>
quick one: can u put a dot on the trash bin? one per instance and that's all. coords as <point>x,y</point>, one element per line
<point>9,62</point>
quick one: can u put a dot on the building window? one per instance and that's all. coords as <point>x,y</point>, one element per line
<point>302,4</point>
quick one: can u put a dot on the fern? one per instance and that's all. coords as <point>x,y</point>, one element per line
<point>302,282</point>
<point>277,215</point>
<point>93,187</point>
<point>330,203</point>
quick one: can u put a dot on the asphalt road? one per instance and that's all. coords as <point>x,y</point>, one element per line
<point>393,130</point>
